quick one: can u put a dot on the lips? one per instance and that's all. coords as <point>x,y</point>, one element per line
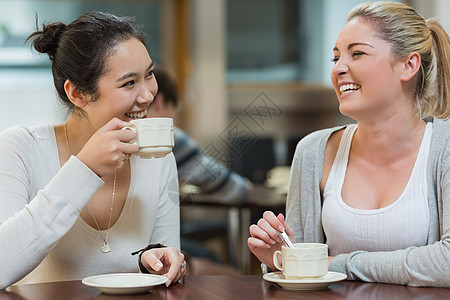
<point>137,115</point>
<point>348,88</point>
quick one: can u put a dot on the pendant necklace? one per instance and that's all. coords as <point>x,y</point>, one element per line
<point>105,246</point>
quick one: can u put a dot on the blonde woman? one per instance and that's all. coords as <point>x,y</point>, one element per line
<point>378,191</point>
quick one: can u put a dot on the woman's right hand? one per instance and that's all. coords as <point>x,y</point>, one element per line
<point>105,153</point>
<point>264,239</point>
<point>167,261</point>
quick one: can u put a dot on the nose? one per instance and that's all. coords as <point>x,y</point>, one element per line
<point>147,93</point>
<point>340,68</point>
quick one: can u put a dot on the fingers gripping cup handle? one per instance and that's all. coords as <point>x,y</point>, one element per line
<point>134,130</point>
<point>275,260</point>
<point>154,136</point>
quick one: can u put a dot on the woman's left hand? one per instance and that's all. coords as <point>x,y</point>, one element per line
<point>165,261</point>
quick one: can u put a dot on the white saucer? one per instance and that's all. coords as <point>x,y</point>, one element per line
<point>306,283</point>
<point>124,283</point>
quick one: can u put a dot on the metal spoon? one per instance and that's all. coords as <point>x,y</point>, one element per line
<point>285,239</point>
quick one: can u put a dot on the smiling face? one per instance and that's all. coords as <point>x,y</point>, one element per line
<point>366,77</point>
<point>127,87</point>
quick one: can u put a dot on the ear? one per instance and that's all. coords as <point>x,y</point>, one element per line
<point>75,95</point>
<point>411,66</point>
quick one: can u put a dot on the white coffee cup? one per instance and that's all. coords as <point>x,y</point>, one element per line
<point>304,260</point>
<point>154,136</point>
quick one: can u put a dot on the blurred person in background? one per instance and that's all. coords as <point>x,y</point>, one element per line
<point>196,168</point>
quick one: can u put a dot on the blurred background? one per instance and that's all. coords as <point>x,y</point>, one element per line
<point>253,74</point>
<point>224,54</point>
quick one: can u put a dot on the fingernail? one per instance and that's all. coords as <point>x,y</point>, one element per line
<point>268,246</point>
<point>158,265</point>
<point>168,283</point>
<point>280,228</point>
<point>272,241</point>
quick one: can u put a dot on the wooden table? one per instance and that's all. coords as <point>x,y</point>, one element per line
<point>225,287</point>
<point>239,218</point>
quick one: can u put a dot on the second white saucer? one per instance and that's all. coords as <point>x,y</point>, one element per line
<point>306,283</point>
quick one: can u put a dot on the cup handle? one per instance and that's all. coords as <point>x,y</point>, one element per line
<point>132,129</point>
<point>129,128</point>
<point>275,260</point>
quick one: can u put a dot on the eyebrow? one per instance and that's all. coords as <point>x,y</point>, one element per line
<point>353,45</point>
<point>133,74</point>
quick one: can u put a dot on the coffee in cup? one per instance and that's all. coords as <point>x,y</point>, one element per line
<point>154,136</point>
<point>302,261</point>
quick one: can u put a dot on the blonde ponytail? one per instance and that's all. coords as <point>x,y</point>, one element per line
<point>441,84</point>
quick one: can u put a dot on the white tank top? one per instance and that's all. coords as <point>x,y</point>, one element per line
<point>402,224</point>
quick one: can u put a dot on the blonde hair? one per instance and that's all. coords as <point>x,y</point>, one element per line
<point>406,31</point>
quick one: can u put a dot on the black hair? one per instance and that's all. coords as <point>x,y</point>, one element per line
<point>79,50</point>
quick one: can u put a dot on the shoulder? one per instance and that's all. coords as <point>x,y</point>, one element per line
<point>316,151</point>
<point>180,134</point>
<point>316,142</point>
<point>185,148</point>
<point>23,135</point>
<point>25,147</point>
<point>441,129</point>
<point>41,130</point>
<point>182,140</point>
<point>440,138</point>
<point>440,142</point>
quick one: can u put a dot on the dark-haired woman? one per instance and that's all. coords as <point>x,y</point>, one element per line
<point>75,201</point>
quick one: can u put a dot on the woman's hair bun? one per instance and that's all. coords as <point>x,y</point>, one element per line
<point>46,40</point>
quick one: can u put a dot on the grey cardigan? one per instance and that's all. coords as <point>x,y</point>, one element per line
<point>415,266</point>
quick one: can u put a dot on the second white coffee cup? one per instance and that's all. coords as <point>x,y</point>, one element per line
<point>304,260</point>
<point>154,136</point>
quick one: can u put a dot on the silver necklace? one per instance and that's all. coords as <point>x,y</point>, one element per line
<point>105,246</point>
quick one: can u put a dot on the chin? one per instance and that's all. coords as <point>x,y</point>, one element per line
<point>348,111</point>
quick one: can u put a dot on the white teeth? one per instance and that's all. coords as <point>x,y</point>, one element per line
<point>137,115</point>
<point>347,88</point>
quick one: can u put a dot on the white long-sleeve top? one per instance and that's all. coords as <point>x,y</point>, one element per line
<point>42,236</point>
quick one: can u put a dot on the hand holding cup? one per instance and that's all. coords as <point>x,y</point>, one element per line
<point>154,136</point>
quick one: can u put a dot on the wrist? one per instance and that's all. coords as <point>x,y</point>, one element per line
<point>141,251</point>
